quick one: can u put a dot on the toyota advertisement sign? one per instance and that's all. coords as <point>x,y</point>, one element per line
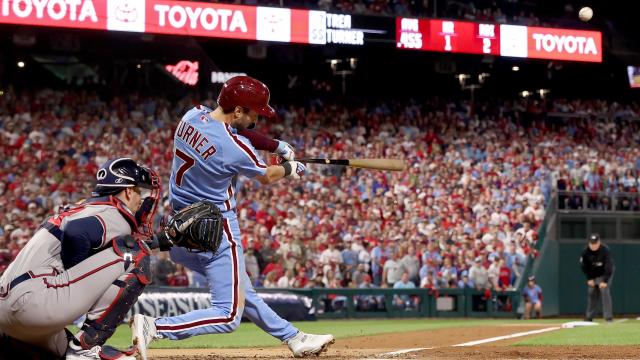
<point>190,18</point>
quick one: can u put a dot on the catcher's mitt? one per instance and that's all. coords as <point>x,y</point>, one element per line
<point>196,227</point>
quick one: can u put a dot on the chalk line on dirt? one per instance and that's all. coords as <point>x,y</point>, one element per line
<point>472,343</point>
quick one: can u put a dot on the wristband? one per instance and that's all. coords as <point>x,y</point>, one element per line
<point>287,168</point>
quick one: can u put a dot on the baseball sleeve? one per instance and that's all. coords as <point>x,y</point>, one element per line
<point>259,141</point>
<point>80,237</point>
<point>244,159</point>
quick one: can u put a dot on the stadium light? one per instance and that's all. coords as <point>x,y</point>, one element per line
<point>525,93</point>
<point>462,78</point>
<point>139,66</point>
<point>515,68</point>
<point>20,64</point>
<point>543,92</point>
<point>1,92</point>
<point>343,67</point>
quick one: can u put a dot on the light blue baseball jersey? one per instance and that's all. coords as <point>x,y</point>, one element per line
<point>208,156</point>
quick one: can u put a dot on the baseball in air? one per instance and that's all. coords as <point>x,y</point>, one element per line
<point>585,14</point>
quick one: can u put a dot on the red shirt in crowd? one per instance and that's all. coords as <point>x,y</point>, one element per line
<point>504,279</point>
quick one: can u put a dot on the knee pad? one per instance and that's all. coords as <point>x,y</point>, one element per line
<point>96,332</point>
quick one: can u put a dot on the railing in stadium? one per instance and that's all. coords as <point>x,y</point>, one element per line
<point>598,201</point>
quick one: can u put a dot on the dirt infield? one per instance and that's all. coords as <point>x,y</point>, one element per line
<point>438,343</point>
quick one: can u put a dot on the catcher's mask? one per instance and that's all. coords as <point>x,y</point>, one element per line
<point>150,199</point>
<point>117,174</point>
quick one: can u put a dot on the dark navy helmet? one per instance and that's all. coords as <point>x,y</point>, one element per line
<point>117,174</point>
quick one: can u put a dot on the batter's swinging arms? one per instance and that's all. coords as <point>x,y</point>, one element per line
<point>209,153</point>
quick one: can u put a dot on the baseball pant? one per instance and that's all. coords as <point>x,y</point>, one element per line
<point>38,309</point>
<point>593,300</point>
<point>231,293</point>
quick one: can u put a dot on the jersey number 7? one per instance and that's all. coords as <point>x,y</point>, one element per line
<point>188,164</point>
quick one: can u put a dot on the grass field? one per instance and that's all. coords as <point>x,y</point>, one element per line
<point>624,333</point>
<point>249,335</point>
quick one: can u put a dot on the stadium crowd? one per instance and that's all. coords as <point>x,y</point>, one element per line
<point>464,214</point>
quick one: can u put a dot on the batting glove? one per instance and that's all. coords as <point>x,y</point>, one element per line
<point>294,169</point>
<point>286,151</point>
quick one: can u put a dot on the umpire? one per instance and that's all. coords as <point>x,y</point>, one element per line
<point>597,266</point>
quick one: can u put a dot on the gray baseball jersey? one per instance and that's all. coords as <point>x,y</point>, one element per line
<point>70,267</point>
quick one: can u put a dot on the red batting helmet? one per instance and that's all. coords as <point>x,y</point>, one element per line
<point>247,92</point>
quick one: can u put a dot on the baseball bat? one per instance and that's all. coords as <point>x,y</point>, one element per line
<point>377,164</point>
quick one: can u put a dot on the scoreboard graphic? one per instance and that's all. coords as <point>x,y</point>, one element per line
<point>498,39</point>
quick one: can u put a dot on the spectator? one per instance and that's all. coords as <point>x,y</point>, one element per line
<point>478,275</point>
<point>448,270</point>
<point>494,273</point>
<point>271,280</point>
<point>368,302</point>
<point>5,253</point>
<point>465,282</point>
<point>179,277</point>
<point>405,301</point>
<point>290,251</point>
<point>411,262</point>
<point>349,258</point>
<point>504,277</point>
<point>392,271</point>
<point>286,280</point>
<point>267,253</point>
<point>251,264</point>
<point>164,269</point>
<point>376,263</point>
<point>331,257</point>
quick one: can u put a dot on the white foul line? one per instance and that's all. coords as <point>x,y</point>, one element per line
<point>498,338</point>
<point>477,342</point>
<point>620,320</point>
<point>404,351</point>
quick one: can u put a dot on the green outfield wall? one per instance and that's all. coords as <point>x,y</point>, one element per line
<point>557,268</point>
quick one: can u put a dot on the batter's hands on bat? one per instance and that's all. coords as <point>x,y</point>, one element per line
<point>285,150</point>
<point>294,169</point>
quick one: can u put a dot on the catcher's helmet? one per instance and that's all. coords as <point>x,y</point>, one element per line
<point>117,174</point>
<point>247,92</point>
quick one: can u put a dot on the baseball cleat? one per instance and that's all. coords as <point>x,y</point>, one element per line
<point>143,332</point>
<point>76,352</point>
<point>302,344</point>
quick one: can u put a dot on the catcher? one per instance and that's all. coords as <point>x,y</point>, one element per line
<point>93,259</point>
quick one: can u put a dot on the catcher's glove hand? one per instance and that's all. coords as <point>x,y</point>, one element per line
<point>196,227</point>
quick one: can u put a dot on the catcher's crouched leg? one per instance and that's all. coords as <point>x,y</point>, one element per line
<point>110,310</point>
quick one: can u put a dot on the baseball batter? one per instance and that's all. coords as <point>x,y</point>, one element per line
<point>209,154</point>
<point>84,261</point>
